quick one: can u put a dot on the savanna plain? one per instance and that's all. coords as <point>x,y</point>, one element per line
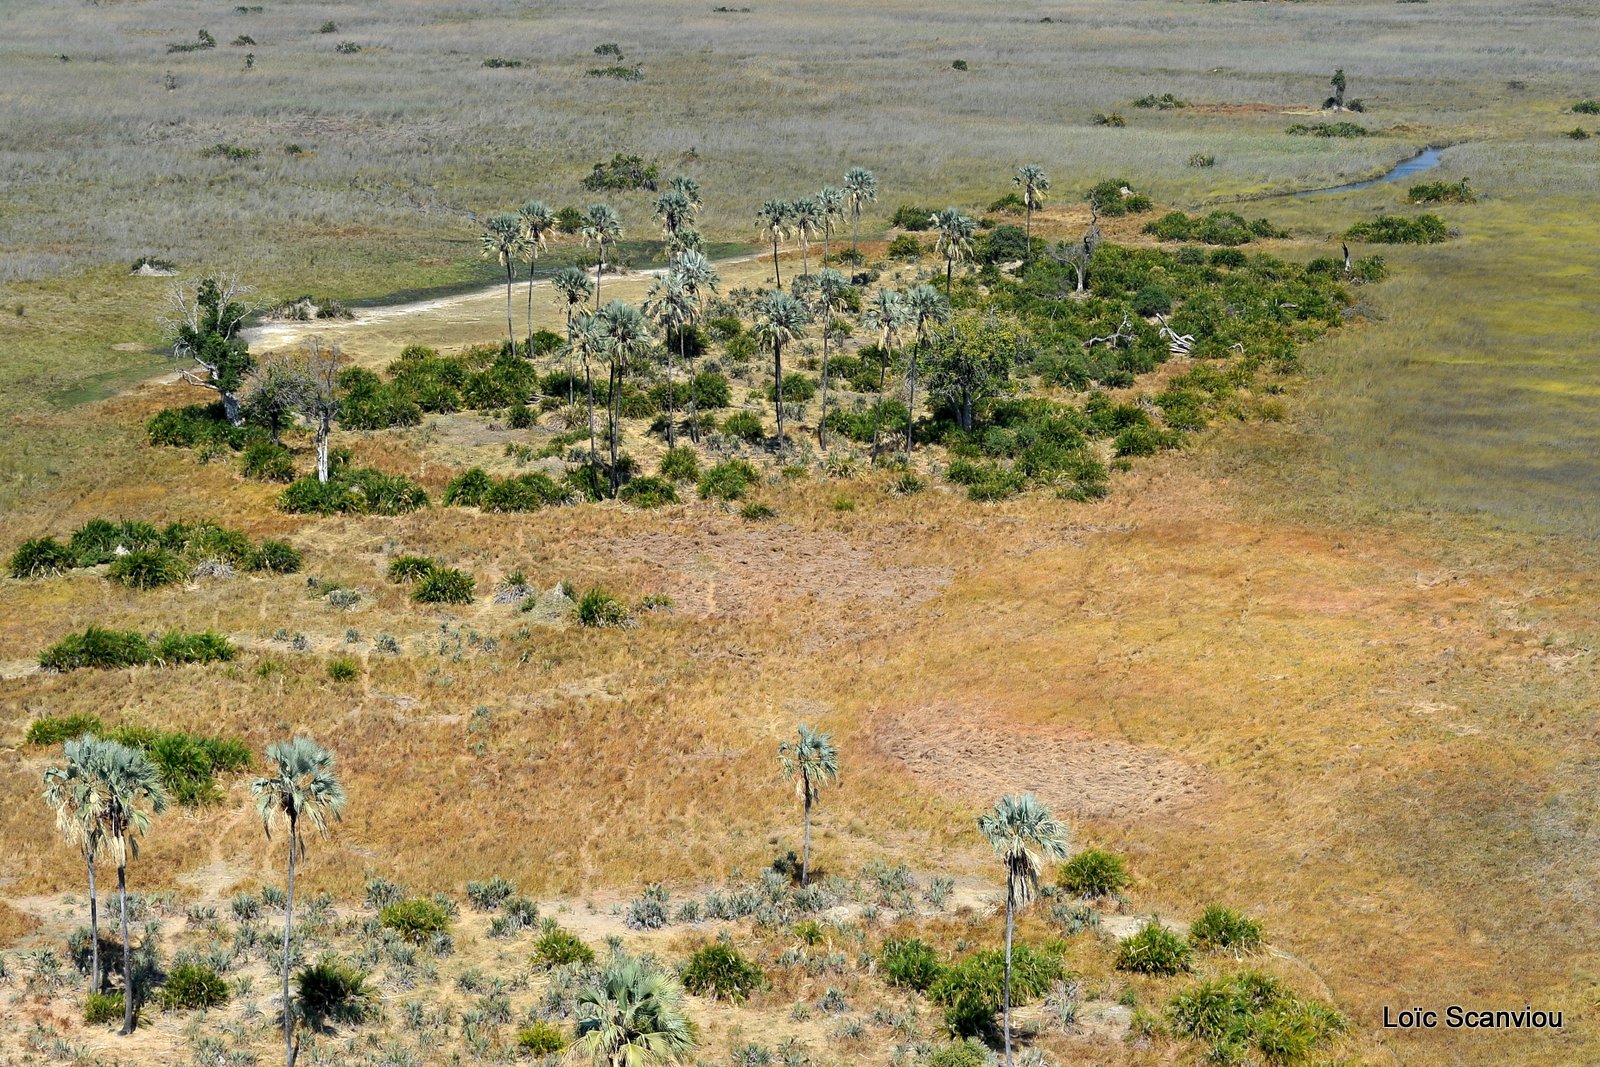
<point>1006,560</point>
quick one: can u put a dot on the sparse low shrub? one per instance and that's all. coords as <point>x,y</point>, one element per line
<point>343,669</point>
<point>444,585</point>
<point>207,646</point>
<point>40,557</point>
<point>970,991</point>
<point>417,920</point>
<point>1109,198</point>
<point>192,986</point>
<point>648,911</point>
<point>276,557</point>
<point>1246,1015</point>
<point>905,246</point>
<point>1153,949</point>
<point>719,971</point>
<point>97,648</point>
<point>1328,129</point>
<point>1202,160</point>
<point>757,511</point>
<point>540,1039</point>
<point>599,609</point>
<point>410,568</point>
<point>54,729</point>
<point>1216,228</point>
<point>558,948</point>
<point>1113,120</point>
<point>967,1053</point>
<point>331,990</point>
<point>621,172</point>
<point>1164,102</point>
<point>490,894</point>
<point>1222,928</point>
<point>1093,872</point>
<point>1586,107</point>
<point>913,218</point>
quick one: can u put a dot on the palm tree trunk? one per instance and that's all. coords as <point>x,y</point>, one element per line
<point>777,386</point>
<point>911,401</point>
<point>672,396</point>
<point>127,955</point>
<point>599,271</point>
<point>588,381</point>
<point>805,258</point>
<point>949,273</point>
<point>775,274</point>
<point>822,421</point>
<point>94,929</point>
<point>616,422</point>
<point>805,846</point>
<point>883,381</point>
<point>694,412</point>
<point>511,330</point>
<point>1028,235</point>
<point>855,238</point>
<point>531,262</point>
<point>288,926</point>
<point>1010,925</point>
<point>569,355</point>
<point>827,234</point>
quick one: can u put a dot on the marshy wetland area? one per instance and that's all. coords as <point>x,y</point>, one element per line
<point>911,534</point>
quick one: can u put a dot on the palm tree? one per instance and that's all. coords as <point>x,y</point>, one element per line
<point>538,222</point>
<point>670,306</point>
<point>780,318</point>
<point>924,308</point>
<point>806,216</point>
<point>888,314</point>
<point>812,761</point>
<point>832,288</point>
<point>627,336</point>
<point>75,792</point>
<point>131,791</point>
<point>603,228</point>
<point>699,278</point>
<point>589,341</point>
<point>631,1015</point>
<point>955,241</point>
<point>773,218</point>
<point>1035,184</point>
<point>860,189</point>
<point>502,239</point>
<point>682,183</point>
<point>831,200</point>
<point>1021,831</point>
<point>301,787</point>
<point>676,215</point>
<point>575,288</point>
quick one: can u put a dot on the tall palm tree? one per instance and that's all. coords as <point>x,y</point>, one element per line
<point>589,342</point>
<point>806,219</point>
<point>831,200</point>
<point>832,289</point>
<point>682,183</point>
<point>888,314</point>
<point>627,337</point>
<point>773,219</point>
<point>132,792</point>
<point>1022,832</point>
<point>812,761</point>
<point>74,791</point>
<point>700,277</point>
<point>780,318</point>
<point>1035,185</point>
<point>604,227</point>
<point>955,241</point>
<point>669,305</point>
<point>538,223</point>
<point>631,1015</point>
<point>924,308</point>
<point>300,788</point>
<point>502,240</point>
<point>860,189</point>
<point>575,289</point>
<point>676,214</point>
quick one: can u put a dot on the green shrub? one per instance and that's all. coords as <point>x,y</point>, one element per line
<point>1113,120</point>
<point>468,489</point>
<point>971,991</point>
<point>1144,439</point>
<point>40,557</point>
<point>331,990</point>
<point>1093,872</point>
<point>959,1054</point>
<point>1164,102</point>
<point>1586,107</point>
<point>99,648</point>
<point>909,962</point>
<point>710,391</point>
<point>525,492</point>
<point>1109,199</point>
<point>417,920</point>
<point>192,986</point>
<point>195,426</point>
<point>913,218</point>
<point>558,948</point>
<point>103,1008</point>
<point>680,465</point>
<point>55,729</point>
<point>187,764</point>
<point>207,646</point>
<point>622,172</point>
<point>1153,950</point>
<point>147,568</point>
<point>1400,230</point>
<point>540,1039</point>
<point>649,492</point>
<point>343,669</point>
<point>277,557</point>
<point>266,462</point>
<point>1328,129</point>
<point>905,246</point>
<point>745,425</point>
<point>598,608</point>
<point>757,511</point>
<point>1153,299</point>
<point>719,971</point>
<point>1216,228</point>
<point>1247,1014</point>
<point>1221,928</point>
<point>445,585</point>
<point>102,541</point>
<point>362,491</point>
<point>489,895</point>
<point>1442,193</point>
<point>410,568</point>
<point>729,480</point>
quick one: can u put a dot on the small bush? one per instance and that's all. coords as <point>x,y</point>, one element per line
<point>540,1039</point>
<point>97,648</point>
<point>729,480</point>
<point>1109,199</point>
<point>410,568</point>
<point>489,895</point>
<point>40,557</point>
<point>649,492</point>
<point>680,465</point>
<point>1400,230</point>
<point>468,490</point>
<point>1094,872</point>
<point>332,990</point>
<point>757,511</point>
<point>54,729</point>
<point>719,971</point>
<point>191,987</point>
<point>1586,107</point>
<point>1248,1014</point>
<point>207,646</point>
<point>745,425</point>
<point>102,1008</point>
<point>343,669</point>
<point>1442,193</point>
<point>1113,120</point>
<point>909,962</point>
<point>905,246</point>
<point>622,172</point>
<point>1153,950</point>
<point>1220,928</point>
<point>147,568</point>
<point>1328,129</point>
<point>267,462</point>
<point>445,585</point>
<point>598,608</point>
<point>1164,102</point>
<point>913,218</point>
<point>558,948</point>
<point>277,557</point>
<point>417,920</point>
<point>959,1054</point>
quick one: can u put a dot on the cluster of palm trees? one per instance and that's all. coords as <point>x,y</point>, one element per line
<point>105,792</point>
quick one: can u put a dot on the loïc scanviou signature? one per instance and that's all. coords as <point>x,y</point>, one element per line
<point>1458,1017</point>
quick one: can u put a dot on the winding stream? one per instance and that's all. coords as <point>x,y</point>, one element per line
<point>1424,160</point>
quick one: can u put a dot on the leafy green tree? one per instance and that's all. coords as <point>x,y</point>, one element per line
<point>780,318</point>
<point>860,189</point>
<point>773,220</point>
<point>204,326</point>
<point>806,219</point>
<point>1035,185</point>
<point>575,289</point>
<point>131,791</point>
<point>925,307</point>
<point>603,228</point>
<point>301,787</point>
<point>627,338</point>
<point>832,288</point>
<point>955,241</point>
<point>1339,85</point>
<point>812,761</point>
<point>74,791</point>
<point>538,223</point>
<point>971,359</point>
<point>831,200</point>
<point>1022,832</point>
<point>631,1015</point>
<point>319,398</point>
<point>502,240</point>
